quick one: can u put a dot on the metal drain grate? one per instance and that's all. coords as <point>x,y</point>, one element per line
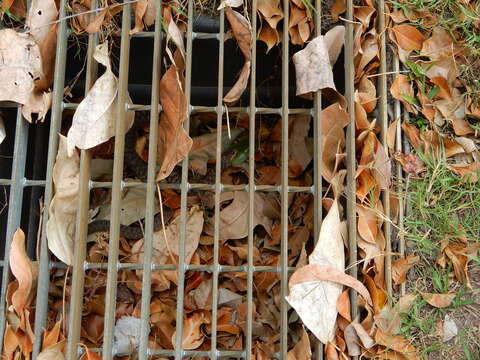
<point>17,182</point>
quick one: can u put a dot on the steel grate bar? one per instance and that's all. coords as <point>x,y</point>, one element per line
<point>151,188</point>
<point>113,247</point>
<point>15,203</point>
<point>251,184</point>
<point>317,158</point>
<point>80,245</point>
<point>382,85</point>
<point>184,193</point>
<point>284,193</point>
<point>350,147</point>
<point>218,190</point>
<point>55,123</point>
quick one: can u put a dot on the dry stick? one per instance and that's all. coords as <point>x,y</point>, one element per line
<point>163,225</point>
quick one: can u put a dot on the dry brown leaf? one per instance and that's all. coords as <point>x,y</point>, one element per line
<point>234,217</point>
<point>243,35</point>
<point>343,305</point>
<point>334,119</point>
<point>459,256</point>
<point>270,11</point>
<point>312,68</point>
<point>378,295</point>
<point>63,207</point>
<point>307,293</point>
<point>398,344</point>
<point>166,248</point>
<point>21,66</point>
<point>95,25</point>
<point>139,8</point>
<point>301,350</point>
<point>10,343</point>
<point>94,120</point>
<point>192,336</point>
<point>338,7</point>
<point>334,40</point>
<point>438,300</point>
<point>204,149</point>
<point>392,134</point>
<point>402,90</point>
<point>364,14</point>
<point>54,352</point>
<point>369,51</point>
<point>317,272</point>
<point>440,45</point>
<point>298,157</point>
<point>24,271</point>
<point>173,141</point>
<point>408,37</point>
<point>298,25</point>
<point>389,319</point>
<point>401,266</point>
<point>230,3</point>
<point>269,36</point>
<point>52,337</point>
<point>362,334</point>
<point>470,172</point>
<point>352,341</point>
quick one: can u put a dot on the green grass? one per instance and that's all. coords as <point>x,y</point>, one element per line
<point>440,205</point>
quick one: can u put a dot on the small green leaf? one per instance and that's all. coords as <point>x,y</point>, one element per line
<point>240,158</point>
<point>431,94</point>
<point>411,100</point>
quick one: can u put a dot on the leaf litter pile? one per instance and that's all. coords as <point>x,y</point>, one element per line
<point>441,127</point>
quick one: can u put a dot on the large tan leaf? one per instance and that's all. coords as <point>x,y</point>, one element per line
<point>40,18</point>
<point>408,37</point>
<point>334,40</point>
<point>173,141</point>
<point>243,34</point>
<point>315,288</point>
<point>94,120</point>
<point>21,65</point>
<point>439,45</point>
<point>166,244</point>
<point>301,350</point>
<point>63,208</point>
<point>24,271</point>
<point>398,344</point>
<point>312,68</point>
<point>401,266</point>
<point>234,217</point>
<point>439,300</point>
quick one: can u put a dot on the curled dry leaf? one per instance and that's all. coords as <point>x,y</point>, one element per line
<point>269,36</point>
<point>312,68</point>
<point>468,172</point>
<point>270,11</point>
<point>234,217</point>
<point>334,40</point>
<point>192,336</point>
<point>243,35</point>
<point>408,37</point>
<point>401,266</point>
<point>439,300</point>
<point>338,7</point>
<point>298,24</point>
<point>94,120</point>
<point>63,208</point>
<point>24,271</point>
<point>173,141</point>
<point>459,256</point>
<point>21,66</point>
<point>301,350</point>
<point>139,9</point>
